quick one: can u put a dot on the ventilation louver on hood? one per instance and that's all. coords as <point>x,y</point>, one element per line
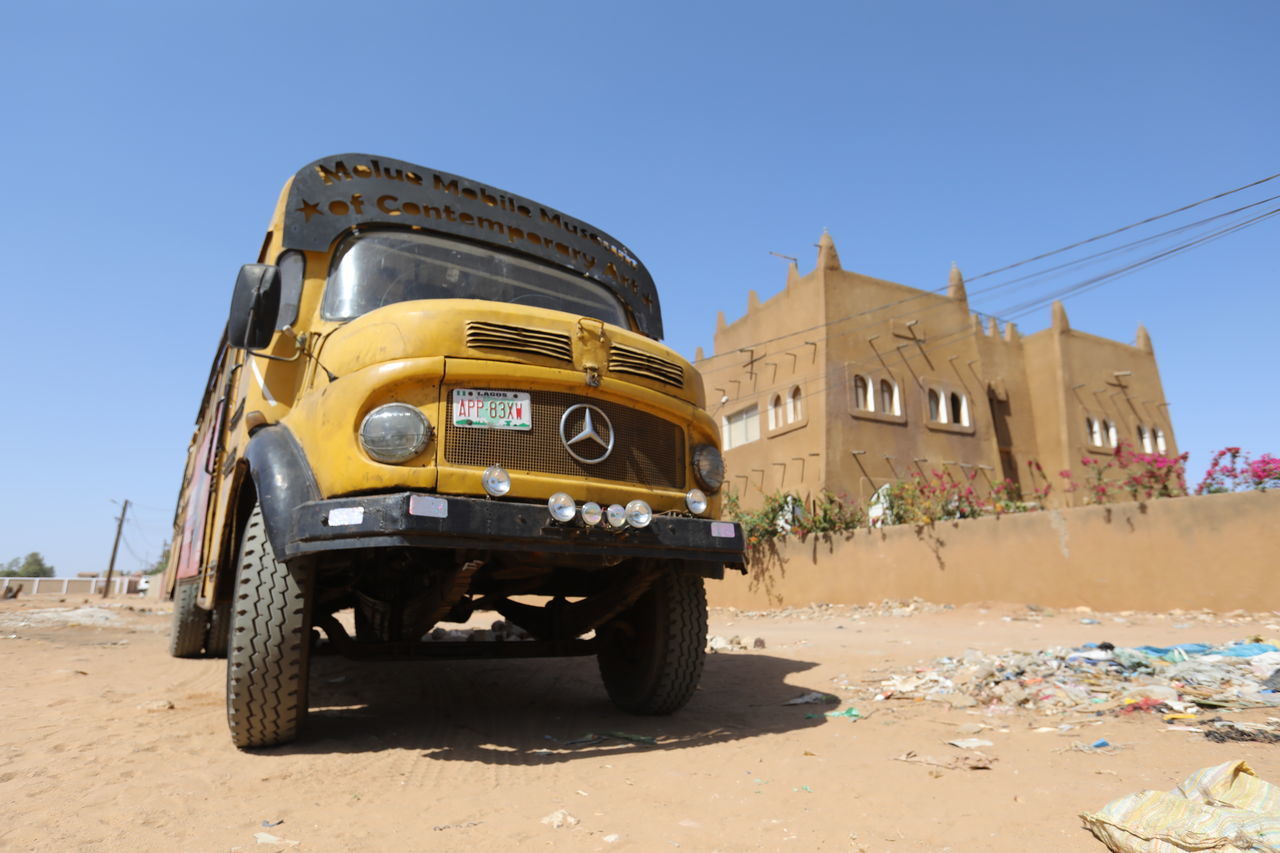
<point>624,359</point>
<point>498,336</point>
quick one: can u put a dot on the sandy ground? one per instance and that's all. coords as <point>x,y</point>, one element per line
<point>109,744</point>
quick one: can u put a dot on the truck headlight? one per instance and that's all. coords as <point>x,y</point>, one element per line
<point>562,507</point>
<point>638,514</point>
<point>496,481</point>
<point>708,467</point>
<point>592,513</point>
<point>696,501</point>
<point>394,433</point>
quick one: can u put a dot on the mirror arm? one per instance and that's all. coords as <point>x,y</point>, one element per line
<point>298,343</point>
<point>299,349</point>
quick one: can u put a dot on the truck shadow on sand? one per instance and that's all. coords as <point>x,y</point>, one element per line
<point>528,712</point>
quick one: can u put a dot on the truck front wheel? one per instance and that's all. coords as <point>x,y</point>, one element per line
<point>269,648</point>
<point>651,654</point>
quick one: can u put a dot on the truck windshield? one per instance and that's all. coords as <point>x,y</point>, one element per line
<point>383,267</point>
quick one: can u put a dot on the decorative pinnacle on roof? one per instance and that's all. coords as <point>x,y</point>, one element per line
<point>1144,339</point>
<point>955,285</point>
<point>1060,323</point>
<point>828,259</point>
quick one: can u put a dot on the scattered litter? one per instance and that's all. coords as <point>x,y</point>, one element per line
<point>848,713</point>
<point>805,788</point>
<point>1098,678</point>
<point>268,838</point>
<point>813,698</point>
<point>967,761</point>
<point>1226,807</point>
<point>594,738</point>
<point>1090,622</point>
<point>559,819</point>
<point>970,743</point>
<point>156,705</point>
<point>88,616</point>
<point>827,612</point>
<point>442,827</point>
<point>271,823</point>
<point>716,643</point>
<point>500,631</point>
<point>611,838</point>
<point>1106,749</point>
<point>1219,730</point>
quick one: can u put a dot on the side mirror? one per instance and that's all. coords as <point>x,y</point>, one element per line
<point>255,305</point>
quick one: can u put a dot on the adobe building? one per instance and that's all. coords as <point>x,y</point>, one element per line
<point>845,382</point>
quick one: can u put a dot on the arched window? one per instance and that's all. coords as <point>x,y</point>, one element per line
<point>957,410</point>
<point>888,397</point>
<point>1144,439</point>
<point>794,412</point>
<point>1094,431</point>
<point>935,406</point>
<point>775,411</point>
<point>1110,429</point>
<point>1161,447</point>
<point>861,393</point>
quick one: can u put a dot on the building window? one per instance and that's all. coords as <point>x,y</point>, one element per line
<point>740,427</point>
<point>861,394</point>
<point>1094,431</point>
<point>775,411</point>
<point>935,407</point>
<point>889,398</point>
<point>794,412</point>
<point>959,409</point>
<point>1110,429</point>
<point>1161,447</point>
<point>1144,439</point>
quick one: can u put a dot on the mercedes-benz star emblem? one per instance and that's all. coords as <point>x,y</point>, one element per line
<point>589,437</point>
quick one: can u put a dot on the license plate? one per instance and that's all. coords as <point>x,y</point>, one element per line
<point>488,409</point>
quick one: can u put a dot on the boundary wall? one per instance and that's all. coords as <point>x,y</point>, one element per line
<point>120,585</point>
<point>1220,552</point>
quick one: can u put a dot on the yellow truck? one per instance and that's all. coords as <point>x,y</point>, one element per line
<point>434,398</point>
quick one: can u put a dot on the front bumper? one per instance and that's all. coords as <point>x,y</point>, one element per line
<point>432,521</point>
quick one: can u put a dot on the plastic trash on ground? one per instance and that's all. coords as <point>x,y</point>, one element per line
<point>1223,808</point>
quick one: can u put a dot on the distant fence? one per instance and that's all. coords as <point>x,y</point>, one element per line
<point>1216,551</point>
<point>72,586</point>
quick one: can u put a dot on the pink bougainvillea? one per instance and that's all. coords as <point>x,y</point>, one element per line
<point>1232,470</point>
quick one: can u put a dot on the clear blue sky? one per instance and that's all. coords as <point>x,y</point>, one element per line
<point>144,145</point>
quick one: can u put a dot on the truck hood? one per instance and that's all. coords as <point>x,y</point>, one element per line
<point>498,331</point>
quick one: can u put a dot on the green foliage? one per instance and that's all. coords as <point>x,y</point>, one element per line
<point>161,563</point>
<point>30,566</point>
<point>788,514</point>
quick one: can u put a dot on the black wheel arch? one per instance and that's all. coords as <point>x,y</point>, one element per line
<point>273,472</point>
<point>280,480</point>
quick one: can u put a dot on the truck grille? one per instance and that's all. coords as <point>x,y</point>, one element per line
<point>499,336</point>
<point>647,450</point>
<point>624,359</point>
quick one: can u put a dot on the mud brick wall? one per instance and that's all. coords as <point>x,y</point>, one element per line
<point>1220,552</point>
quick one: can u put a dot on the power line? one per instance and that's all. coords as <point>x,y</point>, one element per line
<point>1026,306</point>
<point>925,293</point>
<point>1129,227</point>
<point>966,329</point>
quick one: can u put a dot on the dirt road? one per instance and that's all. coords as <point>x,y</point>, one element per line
<point>109,744</point>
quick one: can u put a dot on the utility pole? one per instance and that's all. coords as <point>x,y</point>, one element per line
<point>115,546</point>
